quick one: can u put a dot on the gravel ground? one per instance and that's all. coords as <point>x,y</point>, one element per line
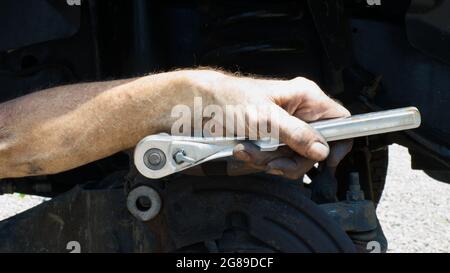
<point>12,204</point>
<point>414,210</point>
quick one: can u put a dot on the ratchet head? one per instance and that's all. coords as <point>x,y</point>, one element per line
<point>161,155</point>
<point>152,158</point>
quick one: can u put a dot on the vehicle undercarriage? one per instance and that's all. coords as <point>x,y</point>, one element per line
<point>369,57</point>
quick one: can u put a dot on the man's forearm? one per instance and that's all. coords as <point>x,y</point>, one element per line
<point>65,127</point>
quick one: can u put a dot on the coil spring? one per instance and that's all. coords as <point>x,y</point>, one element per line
<point>271,38</point>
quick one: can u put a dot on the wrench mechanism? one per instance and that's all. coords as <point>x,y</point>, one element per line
<point>160,155</point>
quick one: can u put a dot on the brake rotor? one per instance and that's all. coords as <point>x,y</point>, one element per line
<point>244,214</point>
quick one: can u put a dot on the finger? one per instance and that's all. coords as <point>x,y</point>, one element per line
<point>251,153</point>
<point>292,168</point>
<point>338,150</point>
<point>236,168</point>
<point>320,107</point>
<point>301,137</point>
<point>316,104</point>
<point>327,108</point>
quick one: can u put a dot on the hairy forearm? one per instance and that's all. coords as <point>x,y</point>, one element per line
<point>65,127</point>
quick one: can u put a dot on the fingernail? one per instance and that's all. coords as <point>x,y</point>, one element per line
<point>275,172</point>
<point>242,155</point>
<point>318,151</point>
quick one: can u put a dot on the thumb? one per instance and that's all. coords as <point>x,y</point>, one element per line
<point>301,137</point>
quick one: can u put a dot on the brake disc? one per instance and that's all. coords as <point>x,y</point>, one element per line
<point>257,213</point>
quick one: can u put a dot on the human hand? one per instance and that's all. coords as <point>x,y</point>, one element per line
<point>296,103</point>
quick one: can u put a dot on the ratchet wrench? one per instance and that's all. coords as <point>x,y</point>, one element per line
<point>157,156</point>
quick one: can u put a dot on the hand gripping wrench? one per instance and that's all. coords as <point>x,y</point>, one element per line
<point>157,156</point>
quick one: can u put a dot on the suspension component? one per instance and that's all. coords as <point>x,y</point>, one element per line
<point>144,203</point>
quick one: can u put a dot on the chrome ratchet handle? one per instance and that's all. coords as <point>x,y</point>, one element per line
<point>369,124</point>
<point>373,123</point>
<point>158,156</point>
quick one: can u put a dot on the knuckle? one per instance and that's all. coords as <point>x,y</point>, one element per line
<point>307,84</point>
<point>313,87</point>
<point>299,79</point>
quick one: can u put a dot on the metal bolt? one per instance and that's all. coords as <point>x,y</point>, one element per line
<point>354,182</point>
<point>354,192</point>
<point>154,159</point>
